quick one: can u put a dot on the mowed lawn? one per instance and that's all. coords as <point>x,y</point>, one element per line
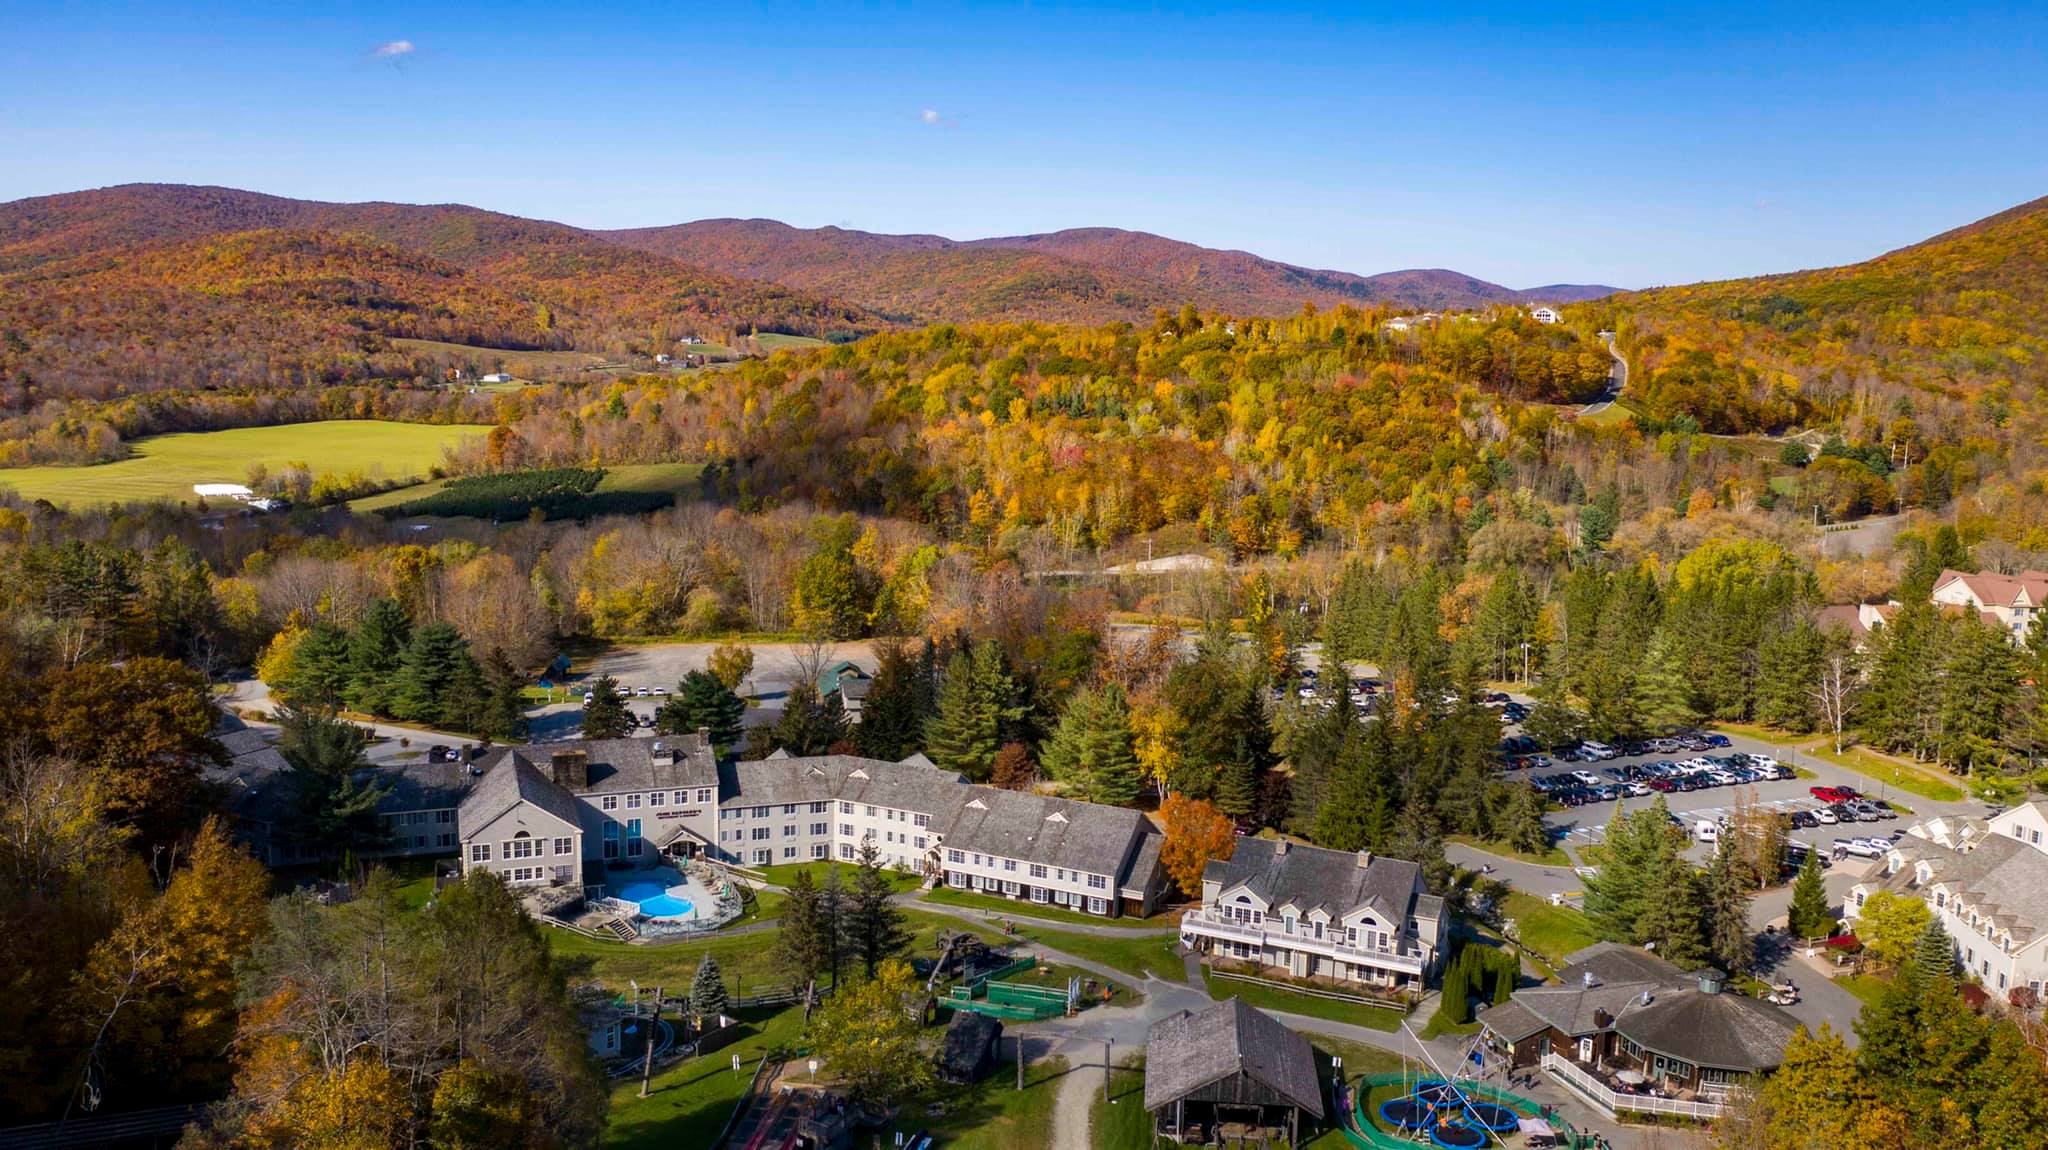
<point>166,466</point>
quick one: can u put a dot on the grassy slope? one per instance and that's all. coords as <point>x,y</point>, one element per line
<point>1014,908</point>
<point>1279,999</point>
<point>166,466</point>
<point>678,477</point>
<point>690,1103</point>
<point>1551,931</point>
<point>993,1114</point>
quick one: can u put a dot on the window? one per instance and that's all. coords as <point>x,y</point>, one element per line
<point>703,794</point>
<point>480,852</point>
<point>760,812</point>
<point>658,798</point>
<point>846,850</point>
<point>632,802</point>
<point>562,846</point>
<point>920,842</point>
<point>789,852</point>
<point>1010,888</point>
<point>445,839</point>
<point>845,808</point>
<point>789,830</point>
<point>564,873</point>
<point>2035,838</point>
<point>1038,894</point>
<point>1098,906</point>
<point>609,802</point>
<point>956,856</point>
<point>444,816</point>
<point>846,829</point>
<point>1037,869</point>
<point>1010,864</point>
<point>818,808</point>
<point>761,833</point>
<point>725,815</point>
<point>870,810</point>
<point>764,857</point>
<point>821,828</point>
<point>818,850</point>
<point>789,808</point>
<point>1098,882</point>
<point>1287,924</point>
<point>633,842</point>
<point>521,848</point>
<point>610,847</point>
<point>923,820</point>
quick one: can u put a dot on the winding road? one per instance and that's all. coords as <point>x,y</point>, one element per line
<point>1616,380</point>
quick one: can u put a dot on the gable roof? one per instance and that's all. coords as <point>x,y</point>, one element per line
<point>507,783</point>
<point>1045,829</point>
<point>1998,876</point>
<point>1187,1051</point>
<point>1311,877</point>
<point>1995,590</point>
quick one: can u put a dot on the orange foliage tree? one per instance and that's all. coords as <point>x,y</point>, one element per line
<point>1196,832</point>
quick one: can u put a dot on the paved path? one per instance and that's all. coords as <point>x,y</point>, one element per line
<point>1616,380</point>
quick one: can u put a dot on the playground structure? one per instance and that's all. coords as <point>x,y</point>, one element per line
<point>1452,1111</point>
<point>1015,1001</point>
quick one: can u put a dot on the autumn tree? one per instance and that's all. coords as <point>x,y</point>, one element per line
<point>731,663</point>
<point>869,1038</point>
<point>1196,834</point>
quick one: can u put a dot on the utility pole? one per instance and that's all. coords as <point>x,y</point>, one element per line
<point>1020,1061</point>
<point>654,1024</point>
<point>1105,1070</point>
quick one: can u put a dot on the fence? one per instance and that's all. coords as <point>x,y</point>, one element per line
<point>161,1126</point>
<point>1400,1004</point>
<point>1612,1101</point>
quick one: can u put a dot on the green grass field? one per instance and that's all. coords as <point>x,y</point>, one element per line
<point>524,364</point>
<point>1003,907</point>
<point>775,341</point>
<point>1550,931</point>
<point>674,477</point>
<point>689,1103</point>
<point>166,466</point>
<point>1282,1000</point>
<point>1134,955</point>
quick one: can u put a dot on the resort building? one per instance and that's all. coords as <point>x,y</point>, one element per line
<point>1630,1031</point>
<point>1986,882</point>
<point>2007,602</point>
<point>259,791</point>
<point>1317,913</point>
<point>549,815</point>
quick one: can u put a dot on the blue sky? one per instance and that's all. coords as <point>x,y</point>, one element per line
<point>1524,143</point>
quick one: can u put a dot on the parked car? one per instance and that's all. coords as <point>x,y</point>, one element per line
<point>1825,816</point>
<point>1833,794</point>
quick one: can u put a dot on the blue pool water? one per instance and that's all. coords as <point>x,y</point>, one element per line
<point>654,900</point>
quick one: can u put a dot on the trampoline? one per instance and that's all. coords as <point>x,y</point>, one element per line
<point>1452,1116</point>
<point>1458,1135</point>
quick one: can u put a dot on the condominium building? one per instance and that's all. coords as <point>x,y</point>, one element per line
<point>1317,913</point>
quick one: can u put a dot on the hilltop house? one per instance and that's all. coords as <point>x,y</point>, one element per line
<point>1986,882</point>
<point>1545,314</point>
<point>2007,602</point>
<point>547,815</point>
<point>1317,913</point>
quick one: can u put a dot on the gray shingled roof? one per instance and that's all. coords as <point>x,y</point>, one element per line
<point>1312,877</point>
<point>1725,1031</point>
<point>2000,876</point>
<point>507,782</point>
<point>1045,829</point>
<point>1187,1051</point>
<point>422,786</point>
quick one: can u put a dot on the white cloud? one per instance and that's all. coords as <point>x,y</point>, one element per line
<point>931,116</point>
<point>393,49</point>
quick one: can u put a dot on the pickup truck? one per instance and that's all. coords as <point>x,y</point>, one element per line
<point>1861,848</point>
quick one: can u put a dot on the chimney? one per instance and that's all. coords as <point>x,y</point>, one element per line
<point>1602,1020</point>
<point>570,769</point>
<point>663,754</point>
<point>1281,849</point>
<point>1364,859</point>
<point>704,735</point>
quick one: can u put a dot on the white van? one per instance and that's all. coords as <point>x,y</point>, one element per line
<point>1707,831</point>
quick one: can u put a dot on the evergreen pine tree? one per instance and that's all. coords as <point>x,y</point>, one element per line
<point>504,712</point>
<point>832,923</point>
<point>1319,745</point>
<point>375,651</point>
<point>1507,973</point>
<point>1092,749</point>
<point>1728,938</point>
<point>1671,915</point>
<point>703,702</point>
<point>605,716</point>
<point>809,726</point>
<point>1980,693</point>
<point>1521,823</point>
<point>707,990</point>
<point>975,699</point>
<point>1662,700</point>
<point>1251,754</point>
<point>875,925</point>
<point>1934,957</point>
<point>1788,667</point>
<point>893,717</point>
<point>434,659</point>
<point>802,945</point>
<point>1808,916</point>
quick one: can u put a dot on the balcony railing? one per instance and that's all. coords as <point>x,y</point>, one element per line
<point>1268,933</point>
<point>1613,1101</point>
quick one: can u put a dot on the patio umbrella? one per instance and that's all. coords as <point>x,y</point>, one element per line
<point>1632,1077</point>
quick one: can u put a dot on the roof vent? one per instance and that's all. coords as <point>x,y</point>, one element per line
<point>1282,848</point>
<point>1364,859</point>
<point>1589,980</point>
<point>1710,980</point>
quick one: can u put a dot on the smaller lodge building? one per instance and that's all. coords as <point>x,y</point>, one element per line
<point>1229,1072</point>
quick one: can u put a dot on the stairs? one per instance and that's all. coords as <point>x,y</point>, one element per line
<point>620,929</point>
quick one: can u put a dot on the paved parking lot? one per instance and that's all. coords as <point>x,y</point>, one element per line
<point>1587,825</point>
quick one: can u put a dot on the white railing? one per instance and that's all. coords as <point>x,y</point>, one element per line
<point>1269,934</point>
<point>1611,1100</point>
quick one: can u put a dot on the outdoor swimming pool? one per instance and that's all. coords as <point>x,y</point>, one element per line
<point>654,900</point>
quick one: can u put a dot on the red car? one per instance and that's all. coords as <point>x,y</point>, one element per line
<point>1834,794</point>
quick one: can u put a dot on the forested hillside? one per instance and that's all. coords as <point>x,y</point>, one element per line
<point>1083,275</point>
<point>1945,336</point>
<point>149,287</point>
